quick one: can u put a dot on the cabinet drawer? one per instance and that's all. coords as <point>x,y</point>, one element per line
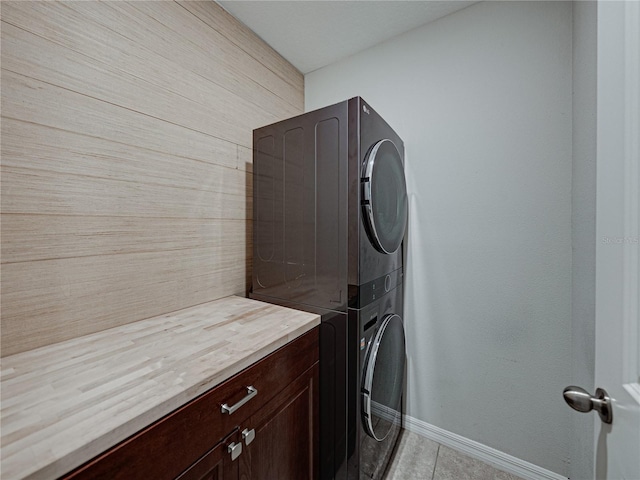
<point>216,463</point>
<point>173,443</point>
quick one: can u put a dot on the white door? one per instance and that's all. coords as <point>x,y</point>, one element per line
<point>617,446</point>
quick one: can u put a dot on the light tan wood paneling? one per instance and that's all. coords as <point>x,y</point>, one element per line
<point>67,236</point>
<point>245,158</point>
<point>219,73</point>
<point>226,53</point>
<point>30,191</point>
<point>126,161</point>
<point>34,101</point>
<point>217,18</point>
<point>51,63</point>
<point>35,146</point>
<point>89,294</point>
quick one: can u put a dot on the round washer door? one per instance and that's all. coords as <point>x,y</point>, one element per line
<point>383,378</point>
<point>385,196</point>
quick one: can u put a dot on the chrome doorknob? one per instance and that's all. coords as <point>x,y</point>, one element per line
<point>579,399</point>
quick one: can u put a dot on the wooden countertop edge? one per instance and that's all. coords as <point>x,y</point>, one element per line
<point>73,460</point>
<point>80,455</point>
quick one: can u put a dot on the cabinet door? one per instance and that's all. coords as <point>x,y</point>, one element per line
<point>285,434</point>
<point>217,463</point>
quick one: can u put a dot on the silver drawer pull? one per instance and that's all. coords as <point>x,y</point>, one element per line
<point>235,449</point>
<point>248,435</point>
<point>251,392</point>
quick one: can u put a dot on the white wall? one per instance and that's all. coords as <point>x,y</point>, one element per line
<point>483,101</point>
<point>583,219</point>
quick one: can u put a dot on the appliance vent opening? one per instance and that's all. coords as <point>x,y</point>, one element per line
<point>370,323</point>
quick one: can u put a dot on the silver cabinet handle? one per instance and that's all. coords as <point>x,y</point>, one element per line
<point>248,435</point>
<point>235,449</point>
<point>251,392</point>
<point>579,399</point>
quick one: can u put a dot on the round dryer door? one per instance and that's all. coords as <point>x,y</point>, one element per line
<point>383,378</point>
<point>385,196</point>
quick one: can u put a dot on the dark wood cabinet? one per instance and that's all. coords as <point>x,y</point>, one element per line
<point>284,446</point>
<point>216,464</point>
<point>274,431</point>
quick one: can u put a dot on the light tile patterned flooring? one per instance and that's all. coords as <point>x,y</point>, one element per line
<point>418,458</point>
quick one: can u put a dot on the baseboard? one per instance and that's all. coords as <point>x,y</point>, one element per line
<point>389,414</point>
<point>498,459</point>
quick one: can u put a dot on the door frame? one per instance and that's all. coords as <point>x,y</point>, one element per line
<point>617,334</point>
<point>618,153</point>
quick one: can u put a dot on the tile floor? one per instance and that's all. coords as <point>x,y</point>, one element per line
<point>418,458</point>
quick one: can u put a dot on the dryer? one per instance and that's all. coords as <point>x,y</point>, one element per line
<point>330,213</point>
<point>330,207</point>
<point>383,209</point>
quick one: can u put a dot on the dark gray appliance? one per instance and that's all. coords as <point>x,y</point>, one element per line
<point>330,213</point>
<point>381,364</point>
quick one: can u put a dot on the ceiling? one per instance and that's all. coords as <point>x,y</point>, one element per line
<point>312,34</point>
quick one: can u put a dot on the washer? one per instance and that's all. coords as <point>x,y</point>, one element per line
<point>330,214</point>
<point>379,388</point>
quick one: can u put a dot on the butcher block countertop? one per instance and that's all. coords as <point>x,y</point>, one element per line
<point>65,403</point>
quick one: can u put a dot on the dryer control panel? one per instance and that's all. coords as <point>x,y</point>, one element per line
<point>362,295</point>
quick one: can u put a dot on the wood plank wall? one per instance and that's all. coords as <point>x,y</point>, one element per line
<point>126,160</point>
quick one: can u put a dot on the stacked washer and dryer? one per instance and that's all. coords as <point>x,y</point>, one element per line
<point>330,214</point>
